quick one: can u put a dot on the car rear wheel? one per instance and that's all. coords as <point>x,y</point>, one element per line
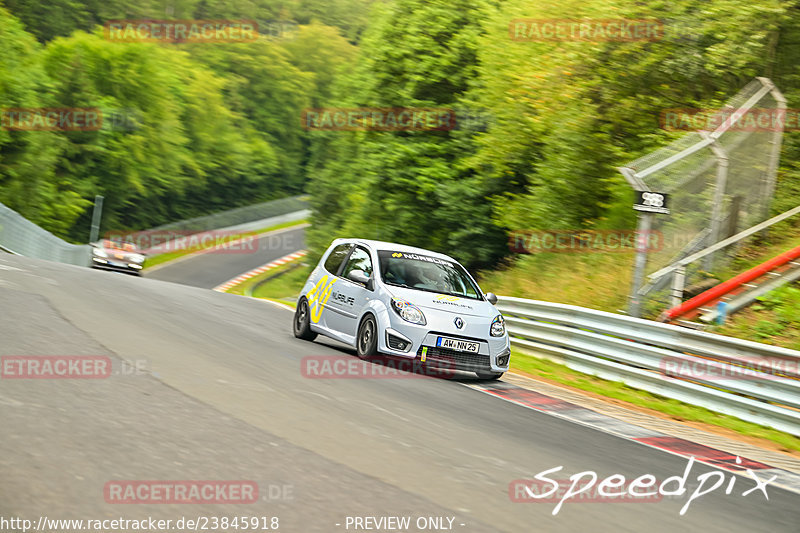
<point>490,375</point>
<point>302,322</point>
<point>367,338</point>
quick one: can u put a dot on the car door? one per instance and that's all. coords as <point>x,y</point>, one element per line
<point>349,297</point>
<point>319,296</point>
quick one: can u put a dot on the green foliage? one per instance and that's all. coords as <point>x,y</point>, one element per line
<point>28,179</point>
<point>785,302</point>
<point>213,126</point>
<point>218,125</point>
<point>59,18</point>
<point>322,50</point>
<point>410,187</point>
<point>564,115</point>
<point>189,154</point>
<point>264,86</point>
<point>567,113</point>
<point>775,319</point>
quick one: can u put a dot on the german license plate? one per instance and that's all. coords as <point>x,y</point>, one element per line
<point>457,344</point>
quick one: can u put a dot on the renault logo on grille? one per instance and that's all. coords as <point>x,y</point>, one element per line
<point>459,323</point>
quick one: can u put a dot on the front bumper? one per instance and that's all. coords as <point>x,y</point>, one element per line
<point>117,266</point>
<point>419,343</point>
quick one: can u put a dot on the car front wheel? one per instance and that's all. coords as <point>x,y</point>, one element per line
<point>302,322</point>
<point>367,339</point>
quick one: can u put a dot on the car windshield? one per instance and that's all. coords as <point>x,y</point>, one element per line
<point>116,245</point>
<point>426,273</point>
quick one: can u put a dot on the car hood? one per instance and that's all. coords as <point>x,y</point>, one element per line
<point>444,302</point>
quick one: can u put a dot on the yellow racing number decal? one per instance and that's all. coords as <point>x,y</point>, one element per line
<point>318,296</point>
<point>446,298</point>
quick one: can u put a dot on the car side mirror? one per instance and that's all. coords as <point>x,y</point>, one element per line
<point>359,276</point>
<point>491,297</point>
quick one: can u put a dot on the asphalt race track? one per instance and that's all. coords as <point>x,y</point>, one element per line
<point>207,270</point>
<point>220,395</point>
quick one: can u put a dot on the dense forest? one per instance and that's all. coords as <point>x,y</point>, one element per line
<point>219,125</point>
<point>206,127</point>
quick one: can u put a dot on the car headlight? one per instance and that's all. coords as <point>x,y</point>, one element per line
<point>136,258</point>
<point>99,252</point>
<point>408,312</point>
<point>498,327</point>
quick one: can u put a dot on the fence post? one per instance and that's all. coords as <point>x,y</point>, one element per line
<point>719,200</point>
<point>98,212</point>
<point>642,232</point>
<point>678,279</point>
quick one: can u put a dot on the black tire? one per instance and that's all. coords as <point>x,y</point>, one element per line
<point>301,324</point>
<point>491,376</point>
<point>367,338</point>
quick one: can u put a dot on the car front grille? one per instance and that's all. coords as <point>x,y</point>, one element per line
<point>454,360</point>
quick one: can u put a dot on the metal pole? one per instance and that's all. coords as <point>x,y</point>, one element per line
<point>642,235</point>
<point>775,152</point>
<point>98,211</point>
<point>719,200</point>
<point>678,280</point>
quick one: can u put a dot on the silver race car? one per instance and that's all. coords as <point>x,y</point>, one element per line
<point>384,298</point>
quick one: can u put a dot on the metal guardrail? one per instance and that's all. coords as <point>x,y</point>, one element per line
<point>22,237</point>
<point>654,356</point>
<point>239,215</point>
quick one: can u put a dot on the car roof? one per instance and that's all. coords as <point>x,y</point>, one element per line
<point>394,247</point>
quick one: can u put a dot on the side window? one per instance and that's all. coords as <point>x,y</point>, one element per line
<point>337,255</point>
<point>359,260</point>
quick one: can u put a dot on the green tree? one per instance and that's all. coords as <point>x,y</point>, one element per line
<point>28,181</point>
<point>271,93</point>
<point>409,187</point>
<point>567,113</point>
<point>188,152</point>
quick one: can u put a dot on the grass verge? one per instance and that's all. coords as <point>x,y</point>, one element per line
<point>555,372</point>
<point>774,319</point>
<point>171,256</point>
<point>598,281</point>
<point>287,282</point>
